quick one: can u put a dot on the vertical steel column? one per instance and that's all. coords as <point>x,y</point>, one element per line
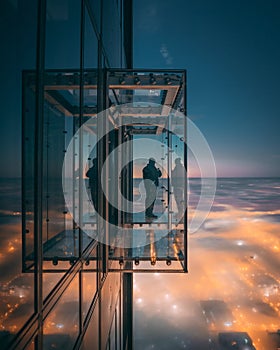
<point>130,174</point>
<point>106,170</point>
<point>23,174</point>
<point>186,169</point>
<point>128,31</point>
<point>38,171</point>
<point>128,311</point>
<point>169,167</point>
<point>128,277</point>
<point>74,190</point>
<point>99,164</point>
<point>81,153</point>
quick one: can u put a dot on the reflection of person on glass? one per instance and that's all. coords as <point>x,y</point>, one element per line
<point>92,174</point>
<point>178,183</point>
<point>151,175</point>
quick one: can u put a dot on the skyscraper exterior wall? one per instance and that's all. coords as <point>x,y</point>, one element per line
<point>85,109</point>
<point>78,303</point>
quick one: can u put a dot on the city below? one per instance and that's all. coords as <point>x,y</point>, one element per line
<point>232,284</point>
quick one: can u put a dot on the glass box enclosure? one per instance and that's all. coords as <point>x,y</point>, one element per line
<point>95,145</point>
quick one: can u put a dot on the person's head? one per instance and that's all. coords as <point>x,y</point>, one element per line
<point>178,161</point>
<point>152,161</point>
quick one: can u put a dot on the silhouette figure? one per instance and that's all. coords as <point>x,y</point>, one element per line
<point>92,174</point>
<point>151,175</point>
<point>178,175</point>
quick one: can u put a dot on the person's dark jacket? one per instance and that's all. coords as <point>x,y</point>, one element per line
<point>150,172</point>
<point>93,176</point>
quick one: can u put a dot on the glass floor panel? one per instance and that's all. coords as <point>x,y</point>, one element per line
<point>63,246</point>
<point>148,246</point>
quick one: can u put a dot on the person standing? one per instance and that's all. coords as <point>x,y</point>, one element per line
<point>92,174</point>
<point>178,175</point>
<point>151,174</point>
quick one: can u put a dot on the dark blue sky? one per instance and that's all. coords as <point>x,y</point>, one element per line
<point>231,50</point>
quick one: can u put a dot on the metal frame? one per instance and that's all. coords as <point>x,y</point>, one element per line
<point>61,81</point>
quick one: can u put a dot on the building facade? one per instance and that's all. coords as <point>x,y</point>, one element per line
<point>77,302</point>
<point>85,106</point>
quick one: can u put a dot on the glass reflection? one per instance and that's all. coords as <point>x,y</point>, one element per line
<point>61,327</point>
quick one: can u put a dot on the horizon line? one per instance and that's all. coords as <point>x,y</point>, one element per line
<point>189,177</point>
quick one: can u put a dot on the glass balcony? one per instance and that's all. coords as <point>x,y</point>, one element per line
<point>117,121</point>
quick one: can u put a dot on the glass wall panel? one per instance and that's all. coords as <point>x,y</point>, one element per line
<point>156,227</point>
<point>90,44</point>
<point>61,326</point>
<point>95,6</point>
<point>28,168</point>
<point>89,290</point>
<point>53,153</point>
<point>89,278</point>
<point>118,323</point>
<point>113,332</point>
<point>61,121</point>
<point>25,32</point>
<point>91,336</point>
<point>51,279</point>
<point>60,237</point>
<point>31,346</point>
<point>110,298</point>
<point>112,38</point>
<point>63,34</point>
<point>89,173</point>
